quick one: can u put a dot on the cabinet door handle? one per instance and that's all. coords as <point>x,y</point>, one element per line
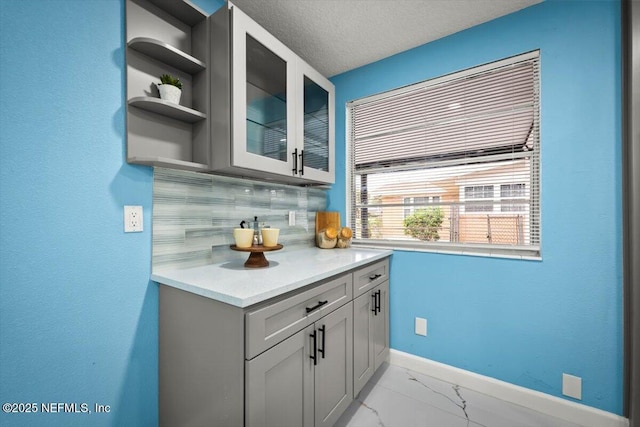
<point>315,348</point>
<point>301,162</point>
<point>295,161</point>
<point>378,301</point>
<point>321,351</point>
<point>375,312</point>
<point>317,306</point>
<point>374,277</point>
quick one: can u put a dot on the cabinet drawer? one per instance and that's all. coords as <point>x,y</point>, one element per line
<point>273,323</point>
<point>370,276</point>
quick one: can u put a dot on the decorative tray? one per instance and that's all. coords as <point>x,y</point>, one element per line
<point>256,257</point>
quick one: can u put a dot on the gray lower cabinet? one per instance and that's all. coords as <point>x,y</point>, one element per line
<point>334,369</point>
<point>306,379</point>
<point>280,384</point>
<point>370,334</point>
<point>294,360</point>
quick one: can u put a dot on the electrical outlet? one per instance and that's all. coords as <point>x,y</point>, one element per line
<point>292,218</point>
<point>133,219</point>
<point>421,326</point>
<point>572,386</point>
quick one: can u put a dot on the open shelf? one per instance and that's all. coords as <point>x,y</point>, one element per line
<point>167,37</point>
<point>184,10</point>
<point>166,162</point>
<point>168,54</point>
<point>168,109</point>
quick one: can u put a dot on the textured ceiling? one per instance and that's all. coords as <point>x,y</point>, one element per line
<point>335,36</point>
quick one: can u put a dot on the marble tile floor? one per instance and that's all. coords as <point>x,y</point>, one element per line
<point>398,397</point>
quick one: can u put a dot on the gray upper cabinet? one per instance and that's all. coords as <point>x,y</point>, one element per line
<point>166,37</point>
<point>272,114</point>
<point>249,105</point>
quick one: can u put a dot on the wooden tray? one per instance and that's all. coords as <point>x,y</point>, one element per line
<point>256,257</point>
<point>327,219</point>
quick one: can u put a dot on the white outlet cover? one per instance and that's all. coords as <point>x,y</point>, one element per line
<point>572,386</point>
<point>133,219</point>
<point>421,326</point>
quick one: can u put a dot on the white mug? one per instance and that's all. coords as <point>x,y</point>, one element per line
<point>243,236</point>
<point>270,236</point>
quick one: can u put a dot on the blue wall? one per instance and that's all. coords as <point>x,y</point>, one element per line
<point>526,322</point>
<point>78,314</point>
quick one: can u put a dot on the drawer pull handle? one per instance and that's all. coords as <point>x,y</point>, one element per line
<point>321,350</point>
<point>317,306</point>
<point>295,161</point>
<point>374,277</point>
<point>376,302</point>
<point>301,170</point>
<point>314,357</point>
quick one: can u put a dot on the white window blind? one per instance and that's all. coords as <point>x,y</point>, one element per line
<point>451,163</point>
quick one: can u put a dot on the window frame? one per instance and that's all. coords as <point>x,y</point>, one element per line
<point>531,251</point>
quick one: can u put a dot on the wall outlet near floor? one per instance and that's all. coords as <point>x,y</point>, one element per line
<point>421,326</point>
<point>572,386</point>
<point>132,219</point>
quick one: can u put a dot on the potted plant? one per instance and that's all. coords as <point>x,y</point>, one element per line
<point>170,88</point>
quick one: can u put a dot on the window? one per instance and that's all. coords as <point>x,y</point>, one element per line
<point>482,193</point>
<point>510,195</point>
<point>458,156</point>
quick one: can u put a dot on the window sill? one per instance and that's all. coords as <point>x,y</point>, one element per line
<point>528,254</point>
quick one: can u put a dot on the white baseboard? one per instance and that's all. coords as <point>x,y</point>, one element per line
<point>541,402</point>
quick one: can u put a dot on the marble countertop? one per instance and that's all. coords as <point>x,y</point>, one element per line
<point>232,283</point>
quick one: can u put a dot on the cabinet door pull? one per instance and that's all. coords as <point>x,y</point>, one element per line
<point>317,306</point>
<point>315,348</point>
<point>374,277</point>
<point>378,301</point>
<point>375,305</point>
<point>321,350</point>
<point>301,162</point>
<point>295,161</point>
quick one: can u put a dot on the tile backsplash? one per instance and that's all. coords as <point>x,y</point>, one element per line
<point>194,215</point>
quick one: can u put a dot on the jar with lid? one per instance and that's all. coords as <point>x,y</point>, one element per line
<point>344,238</point>
<point>327,238</point>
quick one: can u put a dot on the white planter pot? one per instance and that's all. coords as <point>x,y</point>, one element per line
<point>170,93</point>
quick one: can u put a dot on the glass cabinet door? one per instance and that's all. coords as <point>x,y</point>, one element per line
<point>266,102</point>
<point>264,76</point>
<point>316,125</point>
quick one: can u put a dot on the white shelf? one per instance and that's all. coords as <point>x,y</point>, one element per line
<point>166,162</point>
<point>167,109</point>
<point>168,54</point>
<point>185,11</point>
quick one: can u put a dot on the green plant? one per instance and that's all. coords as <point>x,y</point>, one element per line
<point>424,224</point>
<point>167,79</point>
